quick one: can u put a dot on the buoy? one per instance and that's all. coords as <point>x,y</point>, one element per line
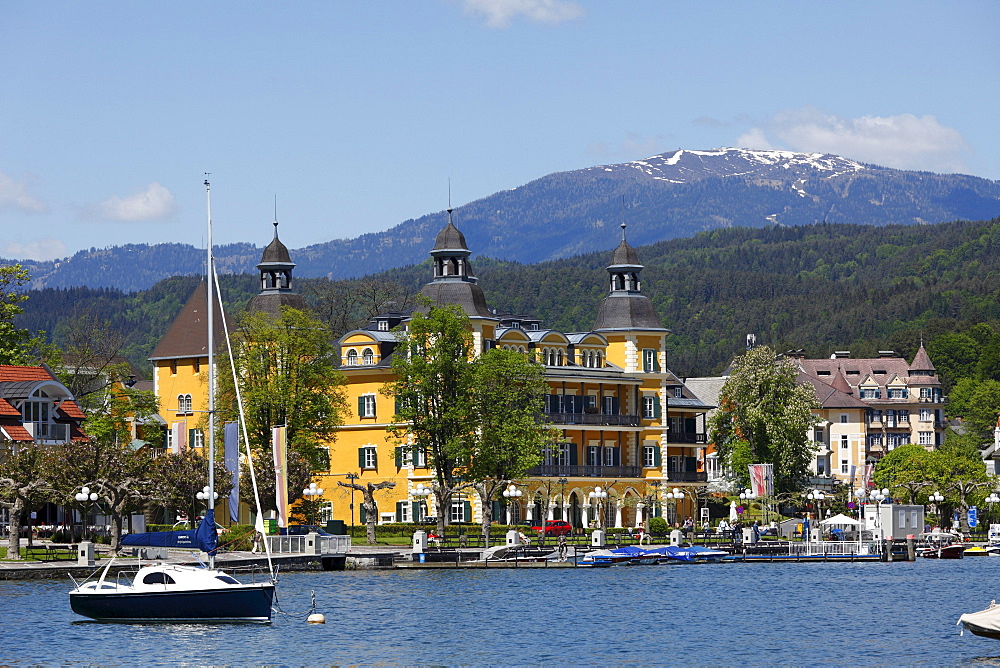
<point>317,618</point>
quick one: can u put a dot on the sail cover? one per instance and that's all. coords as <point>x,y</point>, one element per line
<point>204,538</point>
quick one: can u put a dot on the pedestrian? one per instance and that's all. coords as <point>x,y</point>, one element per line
<point>562,547</point>
<point>805,527</point>
<point>756,532</point>
<point>688,526</point>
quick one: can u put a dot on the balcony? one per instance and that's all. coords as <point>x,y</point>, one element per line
<point>687,437</point>
<point>594,419</point>
<point>48,432</point>
<point>687,476</point>
<point>577,471</point>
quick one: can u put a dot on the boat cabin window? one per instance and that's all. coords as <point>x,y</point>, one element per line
<point>157,578</point>
<point>227,579</point>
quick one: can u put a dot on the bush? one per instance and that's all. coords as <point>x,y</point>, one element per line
<point>658,525</point>
<point>238,537</point>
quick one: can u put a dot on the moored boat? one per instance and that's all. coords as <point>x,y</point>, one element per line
<point>984,623</point>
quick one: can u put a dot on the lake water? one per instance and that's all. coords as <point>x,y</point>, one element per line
<point>702,615</point>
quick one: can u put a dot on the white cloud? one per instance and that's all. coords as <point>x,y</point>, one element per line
<point>45,249</point>
<point>14,195</point>
<point>903,141</point>
<point>154,203</point>
<point>500,13</point>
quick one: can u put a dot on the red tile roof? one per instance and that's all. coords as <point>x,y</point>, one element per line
<point>7,410</point>
<point>16,432</point>
<point>70,409</point>
<point>10,374</point>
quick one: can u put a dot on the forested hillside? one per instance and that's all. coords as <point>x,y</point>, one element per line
<point>818,287</point>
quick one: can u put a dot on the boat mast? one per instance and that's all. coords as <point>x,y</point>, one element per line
<point>210,441</point>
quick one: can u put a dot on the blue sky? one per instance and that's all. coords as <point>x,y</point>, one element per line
<point>355,115</point>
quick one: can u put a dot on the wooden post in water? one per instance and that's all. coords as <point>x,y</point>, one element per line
<point>911,548</point>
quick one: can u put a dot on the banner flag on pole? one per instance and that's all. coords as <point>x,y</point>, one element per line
<point>869,469</point>
<point>762,479</point>
<point>280,473</point>
<point>231,441</point>
<point>178,437</point>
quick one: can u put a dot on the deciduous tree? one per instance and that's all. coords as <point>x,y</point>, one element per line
<point>762,405</point>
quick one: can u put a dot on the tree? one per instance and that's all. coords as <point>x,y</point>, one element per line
<point>762,405</point>
<point>24,484</point>
<point>433,391</point>
<point>179,477</point>
<point>17,346</point>
<point>107,462</point>
<point>509,437</point>
<point>908,467</point>
<point>978,403</point>
<point>90,358</point>
<point>288,376</point>
<point>370,505</point>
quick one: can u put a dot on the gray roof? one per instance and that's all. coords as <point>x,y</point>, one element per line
<point>627,311</point>
<point>469,296</point>
<point>271,302</point>
<point>693,402</point>
<point>276,252</point>
<point>450,238</point>
<point>625,255</point>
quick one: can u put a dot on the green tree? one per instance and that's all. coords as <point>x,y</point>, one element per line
<point>17,346</point>
<point>288,376</point>
<point>179,477</point>
<point>433,391</point>
<point>762,405</point>
<point>978,403</point>
<point>955,356</point>
<point>509,437</point>
<point>908,468</point>
<point>24,484</point>
<point>107,462</point>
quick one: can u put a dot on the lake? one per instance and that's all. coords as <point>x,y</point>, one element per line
<point>709,614</point>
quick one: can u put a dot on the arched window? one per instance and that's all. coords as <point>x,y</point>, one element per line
<point>352,357</point>
<point>599,364</point>
<point>559,358</point>
<point>368,357</point>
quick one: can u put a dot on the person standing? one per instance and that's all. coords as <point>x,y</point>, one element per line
<point>756,532</point>
<point>562,547</point>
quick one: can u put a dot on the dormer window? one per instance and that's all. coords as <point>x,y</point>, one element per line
<point>38,408</point>
<point>368,357</point>
<point>352,357</point>
<point>383,325</point>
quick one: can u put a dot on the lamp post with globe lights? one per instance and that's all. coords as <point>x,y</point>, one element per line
<point>878,496</point>
<point>675,496</point>
<point>597,497</point>
<point>421,492</point>
<point>936,498</point>
<point>992,499</point>
<point>512,494</point>
<point>311,494</point>
<point>817,496</point>
<point>83,496</point>
<point>208,496</point>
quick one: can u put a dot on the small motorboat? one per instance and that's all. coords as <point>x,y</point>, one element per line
<point>941,545</point>
<point>976,551</point>
<point>692,554</point>
<point>984,623</point>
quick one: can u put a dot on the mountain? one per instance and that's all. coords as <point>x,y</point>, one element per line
<point>667,196</point>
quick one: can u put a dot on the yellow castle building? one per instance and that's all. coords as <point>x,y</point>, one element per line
<point>627,424</point>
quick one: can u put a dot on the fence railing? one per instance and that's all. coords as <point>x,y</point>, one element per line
<point>846,547</point>
<point>298,544</point>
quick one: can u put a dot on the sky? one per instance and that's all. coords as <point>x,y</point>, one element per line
<point>351,117</point>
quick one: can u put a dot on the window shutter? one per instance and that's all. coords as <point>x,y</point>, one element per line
<point>364,515</point>
<point>656,362</point>
<point>361,407</point>
<point>399,456</point>
<point>497,510</point>
<point>191,440</point>
<point>615,406</point>
<point>467,511</point>
<point>657,411</point>
<point>617,457</point>
<point>399,511</point>
<point>572,454</point>
<point>361,458</point>
<point>690,425</point>
<point>657,456</point>
<point>415,515</point>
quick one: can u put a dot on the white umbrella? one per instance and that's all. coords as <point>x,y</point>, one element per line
<point>733,515</point>
<point>839,520</point>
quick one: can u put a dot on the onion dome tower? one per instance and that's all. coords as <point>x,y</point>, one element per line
<point>276,280</point>
<point>625,307</point>
<point>454,282</point>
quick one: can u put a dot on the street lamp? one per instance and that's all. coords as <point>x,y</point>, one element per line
<point>674,496</point>
<point>311,492</point>
<point>747,495</point>
<point>83,496</point>
<point>878,496</point>
<point>421,492</point>
<point>597,498</point>
<point>351,477</point>
<point>562,495</point>
<point>936,498</point>
<point>817,496</point>
<point>512,493</point>
<point>992,499</point>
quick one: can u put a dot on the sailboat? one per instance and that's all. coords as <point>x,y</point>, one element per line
<point>161,592</point>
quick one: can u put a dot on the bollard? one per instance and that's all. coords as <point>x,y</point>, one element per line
<point>598,538</point>
<point>911,548</point>
<point>85,554</point>
<point>313,545</point>
<point>419,542</point>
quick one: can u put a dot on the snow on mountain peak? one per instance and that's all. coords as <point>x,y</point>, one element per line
<point>685,165</point>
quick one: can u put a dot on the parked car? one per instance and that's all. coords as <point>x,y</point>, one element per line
<point>555,528</point>
<point>302,530</point>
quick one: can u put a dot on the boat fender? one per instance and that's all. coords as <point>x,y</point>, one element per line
<point>317,618</point>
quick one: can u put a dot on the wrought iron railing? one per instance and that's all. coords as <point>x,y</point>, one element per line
<point>578,471</point>
<point>593,418</point>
